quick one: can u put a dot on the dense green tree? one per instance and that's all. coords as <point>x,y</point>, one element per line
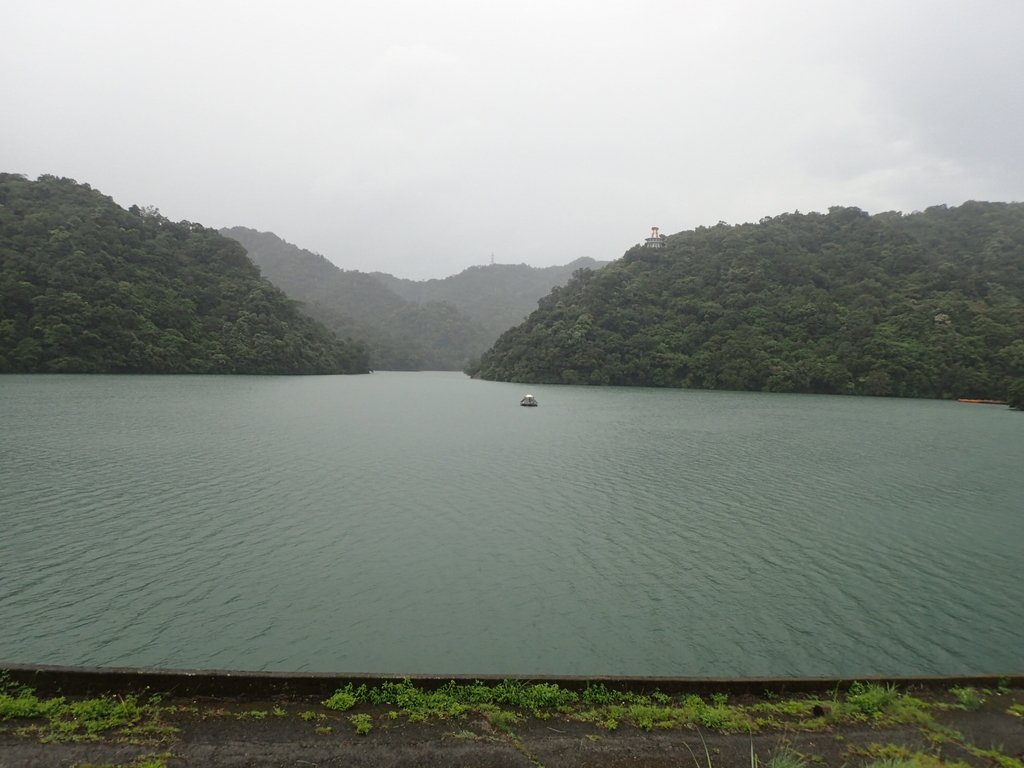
<point>1015,396</point>
<point>86,286</point>
<point>929,304</point>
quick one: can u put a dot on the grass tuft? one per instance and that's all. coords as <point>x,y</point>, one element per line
<point>786,758</point>
<point>362,722</point>
<point>967,698</point>
<point>83,719</point>
<point>345,698</point>
<point>503,719</point>
<point>872,699</point>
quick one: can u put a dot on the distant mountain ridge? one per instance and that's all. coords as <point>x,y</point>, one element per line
<point>89,287</point>
<point>400,334</point>
<point>497,296</point>
<point>929,304</point>
<point>408,325</point>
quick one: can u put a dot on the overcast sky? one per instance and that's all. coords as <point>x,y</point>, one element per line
<point>419,137</point>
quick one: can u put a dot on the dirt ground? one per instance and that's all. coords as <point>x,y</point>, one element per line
<point>222,733</point>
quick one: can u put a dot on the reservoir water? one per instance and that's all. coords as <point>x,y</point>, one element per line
<point>425,523</point>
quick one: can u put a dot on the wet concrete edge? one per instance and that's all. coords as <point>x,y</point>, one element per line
<point>74,681</point>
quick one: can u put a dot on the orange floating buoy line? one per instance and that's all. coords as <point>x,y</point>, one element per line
<point>981,402</point>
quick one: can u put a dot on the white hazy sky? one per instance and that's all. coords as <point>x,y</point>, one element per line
<point>419,137</point>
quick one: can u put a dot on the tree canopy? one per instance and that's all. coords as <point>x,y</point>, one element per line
<point>87,286</point>
<point>929,304</point>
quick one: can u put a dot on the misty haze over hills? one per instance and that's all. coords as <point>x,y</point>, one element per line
<point>497,296</point>
<point>407,324</point>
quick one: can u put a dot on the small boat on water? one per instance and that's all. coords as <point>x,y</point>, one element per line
<point>529,400</point>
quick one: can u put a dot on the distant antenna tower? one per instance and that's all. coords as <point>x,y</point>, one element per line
<point>655,240</point>
<point>492,258</point>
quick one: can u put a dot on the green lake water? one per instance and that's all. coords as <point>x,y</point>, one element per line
<point>425,523</point>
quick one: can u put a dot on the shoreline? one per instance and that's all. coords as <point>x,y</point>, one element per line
<point>915,723</point>
<point>84,680</point>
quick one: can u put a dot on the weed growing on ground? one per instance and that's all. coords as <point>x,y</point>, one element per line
<point>419,704</point>
<point>786,758</point>
<point>346,698</point>
<point>800,708</point>
<point>996,756</point>
<point>890,762</point>
<point>465,736</point>
<point>506,703</point>
<point>454,700</point>
<point>607,707</point>
<point>871,699</point>
<point>883,704</point>
<point>534,697</point>
<point>607,717</point>
<point>598,693</point>
<point>967,698</point>
<point>646,716</point>
<point>503,719</point>
<point>362,722</point>
<point>25,704</point>
<point>914,760</point>
<point>897,756</point>
<point>126,716</point>
<point>92,716</point>
<point>253,714</point>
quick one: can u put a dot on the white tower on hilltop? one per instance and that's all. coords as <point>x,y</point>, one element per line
<point>655,240</point>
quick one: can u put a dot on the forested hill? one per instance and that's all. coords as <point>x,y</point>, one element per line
<point>401,334</point>
<point>497,296</point>
<point>928,304</point>
<point>86,286</point>
<point>408,324</point>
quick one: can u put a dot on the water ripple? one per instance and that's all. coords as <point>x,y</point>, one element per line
<point>424,523</point>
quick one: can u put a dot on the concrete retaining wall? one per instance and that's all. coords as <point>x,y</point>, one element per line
<point>80,681</point>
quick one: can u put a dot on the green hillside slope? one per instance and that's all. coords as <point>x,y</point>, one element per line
<point>86,286</point>
<point>400,334</point>
<point>929,304</point>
